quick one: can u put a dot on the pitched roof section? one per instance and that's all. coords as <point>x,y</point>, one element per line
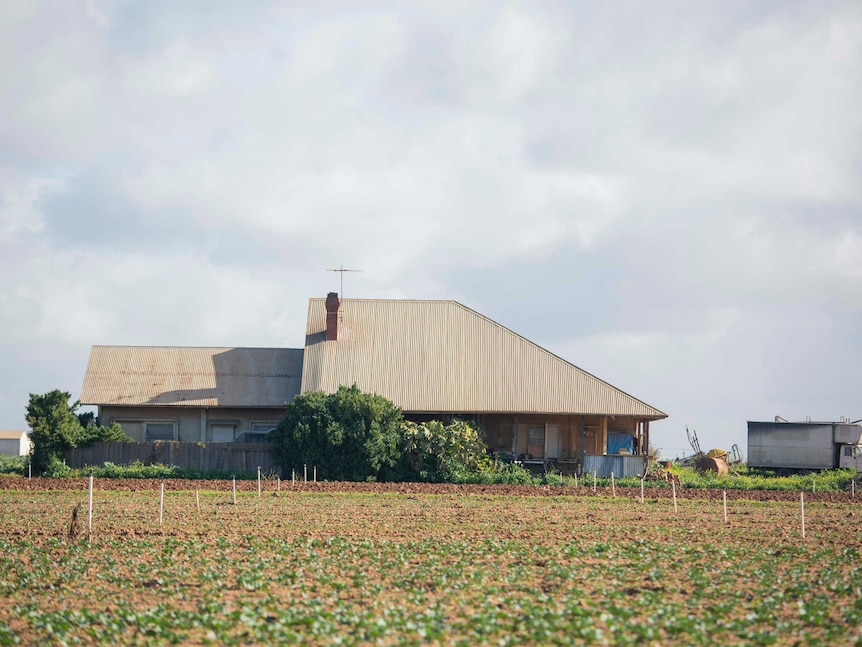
<point>208,377</point>
<point>12,435</point>
<point>439,356</point>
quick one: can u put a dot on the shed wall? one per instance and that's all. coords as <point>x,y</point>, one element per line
<point>790,445</point>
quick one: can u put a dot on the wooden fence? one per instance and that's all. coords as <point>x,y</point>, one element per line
<point>232,457</point>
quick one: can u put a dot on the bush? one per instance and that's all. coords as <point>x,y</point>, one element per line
<point>138,470</point>
<point>436,453</point>
<point>349,435</point>
<point>13,465</point>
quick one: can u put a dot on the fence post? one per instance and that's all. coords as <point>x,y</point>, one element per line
<point>594,481</point>
<point>90,509</point>
<point>642,488</point>
<point>802,512</point>
<point>673,488</point>
<point>305,472</point>
<point>234,490</point>
<point>724,502</point>
<point>258,481</point>
<point>161,502</point>
<point>613,486</point>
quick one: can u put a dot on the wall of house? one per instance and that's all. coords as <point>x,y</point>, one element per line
<point>191,424</point>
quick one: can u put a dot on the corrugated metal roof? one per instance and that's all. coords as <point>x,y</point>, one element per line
<point>439,356</point>
<point>210,377</point>
<point>12,435</point>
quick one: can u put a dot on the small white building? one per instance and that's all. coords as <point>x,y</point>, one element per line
<point>14,443</point>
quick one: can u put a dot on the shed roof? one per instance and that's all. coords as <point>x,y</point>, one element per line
<point>442,357</point>
<point>12,435</point>
<point>182,376</point>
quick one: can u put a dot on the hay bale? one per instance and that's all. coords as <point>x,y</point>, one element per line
<point>711,464</point>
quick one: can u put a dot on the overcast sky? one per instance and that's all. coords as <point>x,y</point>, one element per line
<point>666,194</point>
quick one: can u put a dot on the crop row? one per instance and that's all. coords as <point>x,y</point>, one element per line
<point>410,569</point>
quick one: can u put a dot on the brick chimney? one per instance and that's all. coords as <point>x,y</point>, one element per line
<point>332,304</point>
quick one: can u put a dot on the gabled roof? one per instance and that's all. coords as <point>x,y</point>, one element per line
<point>12,435</point>
<point>441,357</point>
<point>181,376</point>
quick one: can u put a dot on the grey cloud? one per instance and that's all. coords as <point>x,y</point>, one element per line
<point>665,194</point>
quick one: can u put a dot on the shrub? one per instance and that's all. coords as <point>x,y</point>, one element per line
<point>350,435</point>
<point>13,465</point>
<point>437,453</point>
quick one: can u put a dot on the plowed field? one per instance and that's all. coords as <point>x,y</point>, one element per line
<point>393,564</point>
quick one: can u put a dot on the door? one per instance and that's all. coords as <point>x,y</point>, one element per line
<point>536,445</point>
<point>552,441</point>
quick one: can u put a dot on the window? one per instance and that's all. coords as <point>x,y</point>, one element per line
<point>537,435</point>
<point>159,431</point>
<point>223,433</point>
<point>263,426</point>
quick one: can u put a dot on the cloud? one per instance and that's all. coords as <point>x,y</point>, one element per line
<point>666,195</point>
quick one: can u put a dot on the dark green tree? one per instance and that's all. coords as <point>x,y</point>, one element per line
<point>55,427</point>
<point>349,435</point>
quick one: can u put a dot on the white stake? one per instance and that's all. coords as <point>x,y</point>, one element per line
<point>315,473</point>
<point>724,501</point>
<point>29,470</point>
<point>673,489</point>
<point>561,478</point>
<point>161,503</point>
<point>293,477</point>
<point>576,479</point>
<point>642,489</point>
<point>278,483</point>
<point>613,486</point>
<point>198,498</point>
<point>802,511</point>
<point>813,485</point>
<point>234,490</point>
<point>305,472</point>
<point>852,487</point>
<point>258,481</point>
<point>594,481</point>
<point>90,508</point>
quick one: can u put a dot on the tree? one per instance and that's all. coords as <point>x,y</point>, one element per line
<point>349,435</point>
<point>55,427</point>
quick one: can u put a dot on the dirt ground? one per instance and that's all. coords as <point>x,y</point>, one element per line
<point>269,485</point>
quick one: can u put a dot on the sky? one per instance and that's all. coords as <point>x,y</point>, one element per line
<point>666,194</point>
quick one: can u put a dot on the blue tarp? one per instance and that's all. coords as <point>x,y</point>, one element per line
<point>620,440</point>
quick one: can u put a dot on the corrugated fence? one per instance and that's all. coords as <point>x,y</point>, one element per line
<point>619,464</point>
<point>234,457</point>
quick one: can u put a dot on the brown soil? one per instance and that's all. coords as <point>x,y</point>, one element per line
<point>134,485</point>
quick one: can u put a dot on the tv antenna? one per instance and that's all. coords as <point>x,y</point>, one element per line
<point>341,270</point>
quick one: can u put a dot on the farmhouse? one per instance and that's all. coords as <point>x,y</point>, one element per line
<point>14,443</point>
<point>434,359</point>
